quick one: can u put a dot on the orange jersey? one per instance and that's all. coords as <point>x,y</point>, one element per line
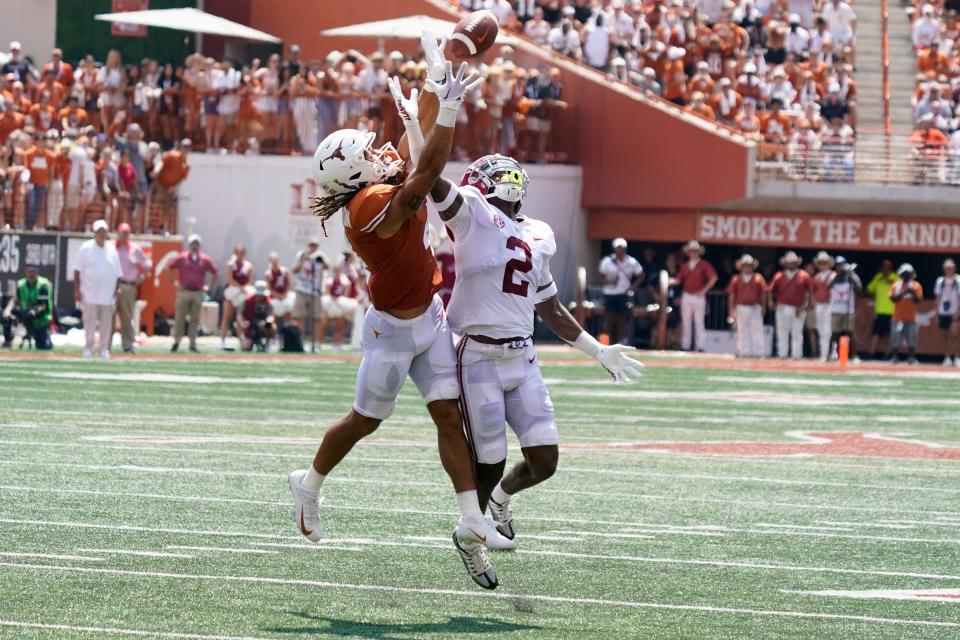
<point>403,270</point>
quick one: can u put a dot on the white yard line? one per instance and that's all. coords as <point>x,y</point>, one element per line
<point>115,631</point>
<point>133,552</point>
<point>257,539</point>
<point>185,547</point>
<point>502,595</point>
<point>401,510</point>
<point>900,525</point>
<point>47,556</point>
<point>835,526</point>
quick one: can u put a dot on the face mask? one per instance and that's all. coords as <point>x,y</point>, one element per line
<point>747,277</point>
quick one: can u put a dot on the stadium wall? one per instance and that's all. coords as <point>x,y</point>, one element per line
<point>263,203</point>
<point>33,23</point>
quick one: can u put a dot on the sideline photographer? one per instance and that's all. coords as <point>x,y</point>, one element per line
<point>256,320</point>
<point>308,270</point>
<point>31,307</point>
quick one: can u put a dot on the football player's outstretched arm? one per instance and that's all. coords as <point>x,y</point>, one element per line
<point>613,358</point>
<point>427,104</point>
<point>436,151</point>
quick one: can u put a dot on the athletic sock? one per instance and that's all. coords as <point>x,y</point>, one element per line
<point>499,495</point>
<point>469,504</point>
<point>313,480</point>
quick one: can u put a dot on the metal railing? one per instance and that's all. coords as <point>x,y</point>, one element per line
<point>870,160</point>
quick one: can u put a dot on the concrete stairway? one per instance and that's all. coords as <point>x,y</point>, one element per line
<point>869,68</point>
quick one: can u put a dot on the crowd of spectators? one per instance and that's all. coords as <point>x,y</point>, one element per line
<point>95,138</point>
<point>811,304</point>
<point>779,72</point>
<point>936,100</point>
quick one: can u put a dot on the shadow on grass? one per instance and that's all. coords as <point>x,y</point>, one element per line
<point>353,628</point>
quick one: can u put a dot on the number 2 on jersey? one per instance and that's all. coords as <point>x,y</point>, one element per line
<point>523,266</point>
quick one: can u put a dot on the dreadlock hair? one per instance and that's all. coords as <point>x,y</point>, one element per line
<point>326,205</point>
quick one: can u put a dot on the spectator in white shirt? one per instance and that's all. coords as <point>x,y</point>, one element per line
<point>537,29</point>
<point>621,273</point>
<point>95,276</point>
<point>621,22</point>
<point>596,43</point>
<point>841,21</point>
<point>947,290</point>
<point>565,39</point>
<point>500,8</point>
<point>926,29</point>
<point>798,39</point>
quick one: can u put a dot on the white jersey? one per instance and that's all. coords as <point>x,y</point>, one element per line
<point>947,291</point>
<point>502,268</point>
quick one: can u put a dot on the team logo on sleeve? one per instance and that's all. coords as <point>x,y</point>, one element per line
<point>497,220</point>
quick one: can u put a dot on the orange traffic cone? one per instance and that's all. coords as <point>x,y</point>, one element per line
<point>843,350</point>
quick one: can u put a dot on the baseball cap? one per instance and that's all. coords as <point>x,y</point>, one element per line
<point>260,288</point>
<point>619,243</point>
<point>15,45</point>
<point>194,237</point>
<point>294,48</point>
<point>124,228</point>
<point>100,225</point>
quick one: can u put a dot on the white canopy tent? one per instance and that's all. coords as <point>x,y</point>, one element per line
<point>408,28</point>
<point>189,19</point>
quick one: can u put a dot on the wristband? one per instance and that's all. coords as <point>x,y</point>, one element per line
<point>447,116</point>
<point>588,344</point>
<point>444,204</point>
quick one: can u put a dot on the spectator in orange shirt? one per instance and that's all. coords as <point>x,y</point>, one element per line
<point>774,124</point>
<point>173,169</point>
<point>747,306</point>
<point>43,113</point>
<point>73,116</point>
<point>41,162</point>
<point>699,108</point>
<point>727,104</point>
<point>674,77</point>
<point>19,97</point>
<point>59,70</point>
<point>701,82</point>
<point>933,60</point>
<point>10,121</point>
<point>747,120</point>
<point>57,91</point>
<point>905,293</point>
<point>928,143</point>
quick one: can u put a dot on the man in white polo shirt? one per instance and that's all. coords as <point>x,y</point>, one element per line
<point>95,277</point>
<point>621,274</point>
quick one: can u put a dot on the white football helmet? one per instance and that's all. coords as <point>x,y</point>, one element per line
<point>346,161</point>
<point>497,176</point>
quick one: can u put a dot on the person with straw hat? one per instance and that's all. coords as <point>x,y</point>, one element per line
<point>821,302</point>
<point>747,304</point>
<point>790,290</point>
<point>696,278</point>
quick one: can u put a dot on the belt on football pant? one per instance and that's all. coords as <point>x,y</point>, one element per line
<point>515,342</point>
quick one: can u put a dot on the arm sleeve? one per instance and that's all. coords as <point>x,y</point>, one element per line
<point>369,207</point>
<point>462,220</point>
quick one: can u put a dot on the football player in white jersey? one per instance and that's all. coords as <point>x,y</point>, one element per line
<point>503,274</point>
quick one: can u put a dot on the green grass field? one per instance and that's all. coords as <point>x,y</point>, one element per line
<point>148,498</point>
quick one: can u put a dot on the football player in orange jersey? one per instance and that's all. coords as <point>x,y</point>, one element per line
<point>380,198</point>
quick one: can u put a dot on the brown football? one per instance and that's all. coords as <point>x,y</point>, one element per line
<point>474,34</point>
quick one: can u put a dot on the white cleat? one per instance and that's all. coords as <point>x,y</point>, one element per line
<point>485,532</point>
<point>475,559</point>
<point>306,507</point>
<point>503,517</point>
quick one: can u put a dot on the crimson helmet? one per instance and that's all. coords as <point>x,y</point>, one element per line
<point>497,176</point>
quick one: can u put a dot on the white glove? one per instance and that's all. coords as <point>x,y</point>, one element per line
<point>433,52</point>
<point>409,115</point>
<point>452,92</point>
<point>406,107</point>
<point>613,358</point>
